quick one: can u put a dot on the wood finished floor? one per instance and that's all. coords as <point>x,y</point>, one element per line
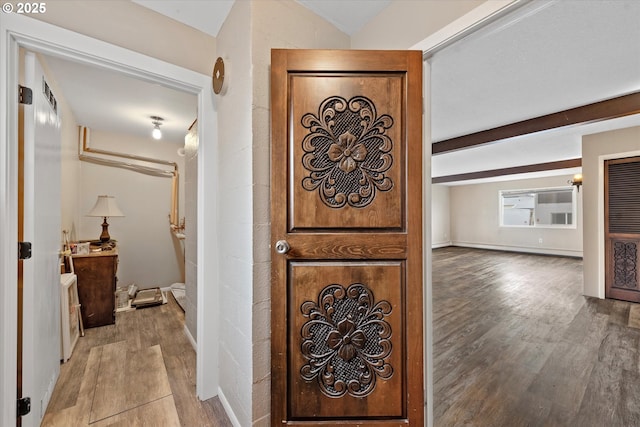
<point>510,349</point>
<point>516,349</point>
<point>138,372</point>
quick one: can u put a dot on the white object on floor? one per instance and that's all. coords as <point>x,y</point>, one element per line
<point>149,298</point>
<point>125,308</point>
<point>178,291</point>
<point>69,315</point>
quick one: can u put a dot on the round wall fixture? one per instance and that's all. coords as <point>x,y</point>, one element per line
<point>218,75</point>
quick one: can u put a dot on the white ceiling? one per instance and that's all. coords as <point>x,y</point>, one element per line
<point>347,15</point>
<point>542,58</point>
<point>206,16</point>
<point>109,101</point>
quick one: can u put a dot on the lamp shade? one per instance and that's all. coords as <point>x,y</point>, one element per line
<point>106,207</point>
<point>577,179</point>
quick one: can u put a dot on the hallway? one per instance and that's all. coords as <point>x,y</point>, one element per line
<point>516,344</point>
<point>138,372</point>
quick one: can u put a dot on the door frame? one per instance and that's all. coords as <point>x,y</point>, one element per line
<point>610,276</point>
<point>37,36</point>
<point>473,21</point>
<point>602,270</point>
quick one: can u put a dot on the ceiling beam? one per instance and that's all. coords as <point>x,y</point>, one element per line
<point>604,110</point>
<point>538,167</point>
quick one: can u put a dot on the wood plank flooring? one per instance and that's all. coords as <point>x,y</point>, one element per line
<point>516,344</point>
<point>138,372</point>
<point>510,349</point>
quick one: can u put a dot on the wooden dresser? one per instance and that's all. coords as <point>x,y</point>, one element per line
<point>97,286</point>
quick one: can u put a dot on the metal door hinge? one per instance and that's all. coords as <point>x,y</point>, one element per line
<point>25,95</point>
<point>24,406</point>
<point>24,250</point>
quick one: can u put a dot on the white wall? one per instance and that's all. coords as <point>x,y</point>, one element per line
<point>129,25</point>
<point>148,252</point>
<point>235,213</point>
<point>190,179</point>
<point>275,24</point>
<point>70,173</point>
<point>595,149</point>
<point>404,23</point>
<point>440,216</point>
<point>475,220</point>
<point>244,190</point>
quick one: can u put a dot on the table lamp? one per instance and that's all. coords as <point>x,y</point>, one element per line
<point>105,207</point>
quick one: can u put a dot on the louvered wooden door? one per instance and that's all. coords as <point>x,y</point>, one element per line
<point>346,221</point>
<point>622,217</point>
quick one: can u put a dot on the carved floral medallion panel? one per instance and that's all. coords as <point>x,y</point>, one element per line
<point>346,340</point>
<point>347,152</point>
<point>625,265</point>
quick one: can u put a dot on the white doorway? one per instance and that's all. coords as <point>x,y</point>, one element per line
<point>20,32</point>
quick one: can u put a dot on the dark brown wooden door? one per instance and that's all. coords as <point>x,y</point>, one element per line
<point>346,221</point>
<point>622,235</point>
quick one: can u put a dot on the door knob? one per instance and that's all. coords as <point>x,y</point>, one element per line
<point>282,247</point>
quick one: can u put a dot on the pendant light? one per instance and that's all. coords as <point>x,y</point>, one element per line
<point>156,133</point>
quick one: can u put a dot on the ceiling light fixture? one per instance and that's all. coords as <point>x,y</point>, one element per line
<point>156,133</point>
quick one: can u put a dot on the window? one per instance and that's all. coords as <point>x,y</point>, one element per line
<point>546,207</point>
<point>558,218</point>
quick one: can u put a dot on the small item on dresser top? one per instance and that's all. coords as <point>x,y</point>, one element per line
<point>98,246</point>
<point>82,248</point>
<point>109,246</point>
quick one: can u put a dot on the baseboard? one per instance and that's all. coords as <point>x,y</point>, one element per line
<point>440,245</point>
<point>227,409</point>
<point>44,403</point>
<point>507,248</point>
<point>190,338</point>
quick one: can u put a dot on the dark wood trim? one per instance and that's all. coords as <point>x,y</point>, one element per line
<point>604,110</point>
<point>632,292</point>
<point>561,164</point>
